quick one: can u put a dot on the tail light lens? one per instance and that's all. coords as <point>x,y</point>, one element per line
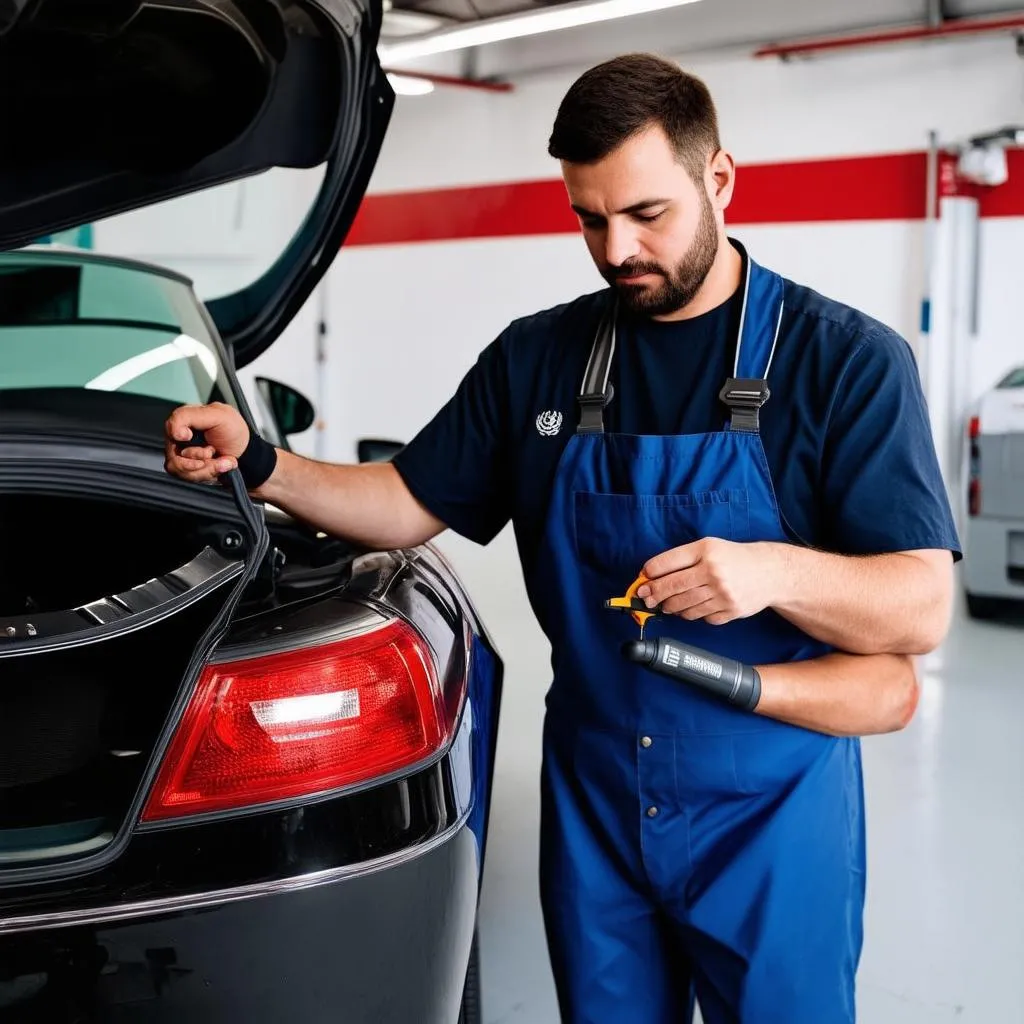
<point>974,497</point>
<point>974,479</point>
<point>302,722</point>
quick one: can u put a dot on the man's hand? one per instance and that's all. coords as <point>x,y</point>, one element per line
<point>226,438</point>
<point>712,579</point>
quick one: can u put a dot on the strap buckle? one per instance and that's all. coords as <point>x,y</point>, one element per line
<point>592,412</point>
<point>744,396</point>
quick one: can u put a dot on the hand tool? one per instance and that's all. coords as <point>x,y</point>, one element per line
<point>634,605</point>
<point>731,680</point>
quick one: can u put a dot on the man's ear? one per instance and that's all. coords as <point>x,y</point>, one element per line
<point>721,178</point>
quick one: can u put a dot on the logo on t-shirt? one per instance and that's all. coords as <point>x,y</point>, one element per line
<point>549,423</point>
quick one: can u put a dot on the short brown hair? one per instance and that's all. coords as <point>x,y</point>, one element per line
<point>618,99</point>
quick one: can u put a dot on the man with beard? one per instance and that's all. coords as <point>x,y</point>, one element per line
<point>762,456</point>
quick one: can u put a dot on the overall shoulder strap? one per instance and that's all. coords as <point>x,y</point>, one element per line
<point>746,391</point>
<point>595,391</point>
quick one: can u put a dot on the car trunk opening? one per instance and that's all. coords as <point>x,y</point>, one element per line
<point>77,728</point>
<point>108,603</point>
<point>61,552</point>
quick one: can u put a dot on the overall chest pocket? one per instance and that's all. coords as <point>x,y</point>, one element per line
<point>617,533</point>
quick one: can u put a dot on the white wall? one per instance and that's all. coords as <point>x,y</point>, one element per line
<point>417,315</point>
<point>879,100</point>
<point>406,321</point>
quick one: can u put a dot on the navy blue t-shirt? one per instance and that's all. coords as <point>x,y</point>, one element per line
<point>845,431</point>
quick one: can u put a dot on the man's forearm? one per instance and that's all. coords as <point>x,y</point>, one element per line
<point>894,603</point>
<point>368,504</point>
<point>842,694</point>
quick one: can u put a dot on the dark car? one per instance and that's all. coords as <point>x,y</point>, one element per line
<point>245,767</point>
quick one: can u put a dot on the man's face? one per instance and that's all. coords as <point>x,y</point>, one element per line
<point>653,233</point>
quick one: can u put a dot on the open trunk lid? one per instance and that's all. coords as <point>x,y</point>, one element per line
<point>111,105</point>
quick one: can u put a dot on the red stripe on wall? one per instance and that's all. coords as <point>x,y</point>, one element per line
<point>863,188</point>
<point>475,211</point>
<point>889,187</point>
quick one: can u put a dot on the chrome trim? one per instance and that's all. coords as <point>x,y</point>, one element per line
<point>131,610</point>
<point>221,897</point>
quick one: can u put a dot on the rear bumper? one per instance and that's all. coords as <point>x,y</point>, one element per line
<point>386,946</point>
<point>991,568</point>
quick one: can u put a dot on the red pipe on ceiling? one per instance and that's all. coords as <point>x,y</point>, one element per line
<point>452,80</point>
<point>950,29</point>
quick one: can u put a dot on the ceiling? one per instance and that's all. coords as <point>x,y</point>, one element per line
<point>699,27</point>
<point>461,11</point>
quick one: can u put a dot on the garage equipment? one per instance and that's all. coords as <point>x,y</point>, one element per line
<point>726,678</point>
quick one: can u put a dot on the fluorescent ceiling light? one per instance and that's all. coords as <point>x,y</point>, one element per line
<point>183,347</point>
<point>493,30</point>
<point>406,85</point>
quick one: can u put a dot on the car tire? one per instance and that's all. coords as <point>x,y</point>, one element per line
<point>472,1006</point>
<point>983,607</point>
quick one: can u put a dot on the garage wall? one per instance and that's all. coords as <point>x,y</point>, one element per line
<point>425,309</point>
<point>830,191</point>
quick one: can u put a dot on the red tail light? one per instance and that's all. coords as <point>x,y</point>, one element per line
<point>974,427</point>
<point>302,722</point>
<point>974,497</point>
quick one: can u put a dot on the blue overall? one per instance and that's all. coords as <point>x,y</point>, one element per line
<point>686,846</point>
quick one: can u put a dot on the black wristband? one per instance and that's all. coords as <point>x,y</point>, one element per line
<point>257,462</point>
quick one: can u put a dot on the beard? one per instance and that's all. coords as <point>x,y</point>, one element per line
<point>678,287</point>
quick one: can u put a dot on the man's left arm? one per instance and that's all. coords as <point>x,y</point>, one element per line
<point>886,584</point>
<point>897,603</point>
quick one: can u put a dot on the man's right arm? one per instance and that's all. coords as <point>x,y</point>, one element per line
<point>368,504</point>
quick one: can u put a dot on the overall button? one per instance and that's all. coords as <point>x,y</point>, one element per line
<point>646,741</point>
<point>652,812</point>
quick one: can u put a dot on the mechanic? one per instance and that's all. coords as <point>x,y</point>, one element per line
<point>796,520</point>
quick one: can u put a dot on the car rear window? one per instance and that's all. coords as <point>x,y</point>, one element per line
<point>104,326</point>
<point>1014,379</point>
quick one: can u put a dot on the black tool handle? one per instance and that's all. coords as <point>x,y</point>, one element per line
<point>197,440</point>
<point>727,678</point>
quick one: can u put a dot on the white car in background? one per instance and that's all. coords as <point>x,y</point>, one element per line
<point>994,531</point>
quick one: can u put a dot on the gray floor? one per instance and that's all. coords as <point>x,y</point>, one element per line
<point>945,917</point>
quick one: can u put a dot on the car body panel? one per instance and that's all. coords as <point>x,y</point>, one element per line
<point>993,466</point>
<point>383,948</point>
<point>994,558</point>
<point>246,918</point>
